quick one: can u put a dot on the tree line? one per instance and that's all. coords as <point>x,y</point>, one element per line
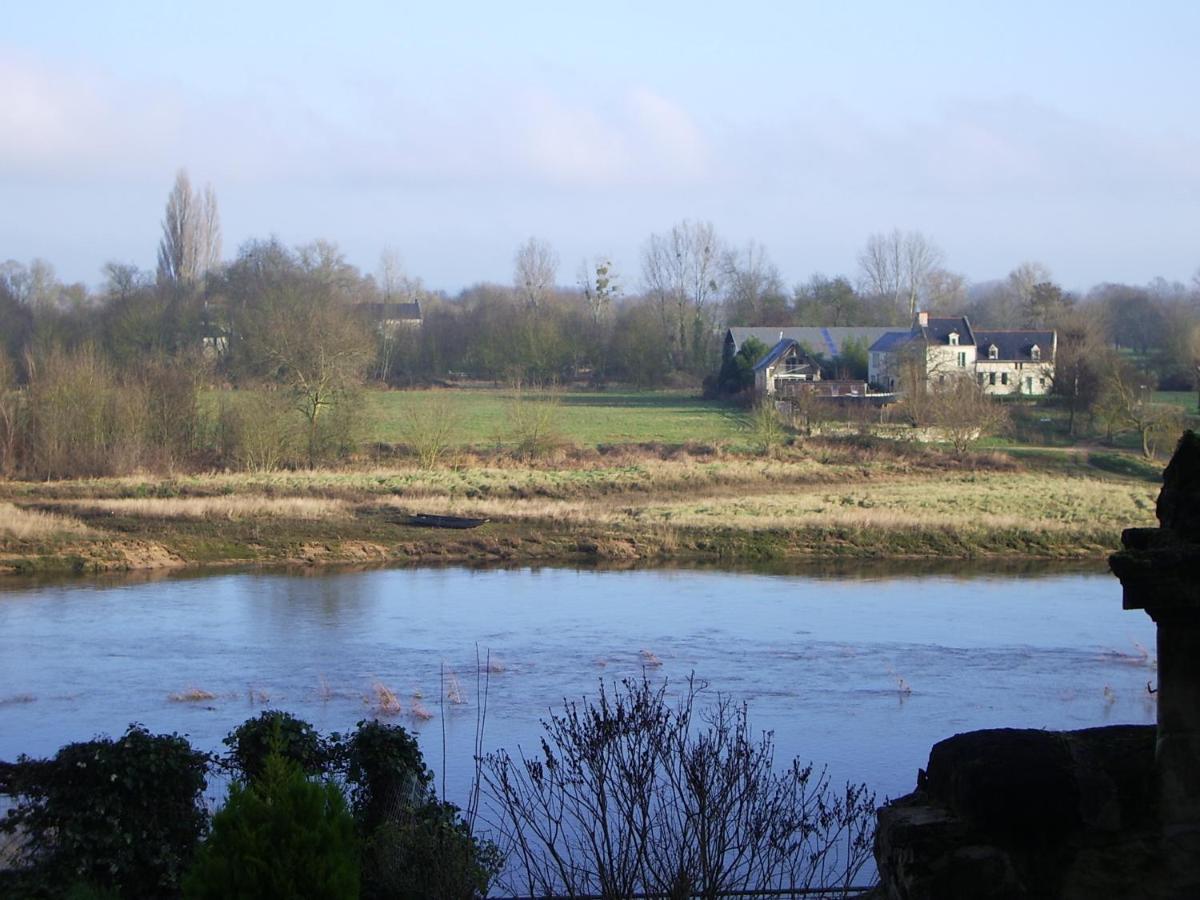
<point>84,371</point>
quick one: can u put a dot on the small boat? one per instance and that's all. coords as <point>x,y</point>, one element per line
<point>424,520</point>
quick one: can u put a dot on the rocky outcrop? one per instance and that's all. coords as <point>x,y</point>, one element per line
<point>1025,813</point>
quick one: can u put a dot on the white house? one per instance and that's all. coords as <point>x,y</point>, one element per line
<point>1003,362</point>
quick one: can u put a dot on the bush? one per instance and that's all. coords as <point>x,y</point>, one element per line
<point>281,835</point>
<point>121,815</point>
<point>633,795</point>
<point>386,771</point>
<point>425,853</point>
<point>260,432</point>
<point>534,424</point>
<point>275,732</point>
<point>414,846</point>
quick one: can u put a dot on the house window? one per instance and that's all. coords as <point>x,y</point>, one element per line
<point>1004,378</point>
<point>954,339</point>
<point>1036,352</point>
<point>1043,381</point>
<point>982,378</point>
<point>962,360</point>
<point>992,378</point>
<point>993,352</point>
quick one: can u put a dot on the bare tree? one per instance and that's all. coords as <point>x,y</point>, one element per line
<point>634,796</point>
<point>945,291</point>
<point>1079,365</point>
<point>754,289</point>
<point>191,240</point>
<point>897,266</point>
<point>964,413</point>
<point>534,268</point>
<point>1125,401</point>
<point>1020,286</point>
<point>682,273</point>
<point>310,344</point>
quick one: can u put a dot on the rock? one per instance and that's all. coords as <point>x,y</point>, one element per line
<point>1025,813</point>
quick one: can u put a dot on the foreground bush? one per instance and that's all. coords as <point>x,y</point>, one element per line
<point>280,835</point>
<point>121,815</point>
<point>414,846</point>
<point>279,733</point>
<point>633,795</point>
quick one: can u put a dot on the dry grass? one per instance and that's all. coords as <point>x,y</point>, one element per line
<point>231,508</point>
<point>418,710</point>
<point>454,691</point>
<point>987,501</point>
<point>192,695</point>
<point>31,524</point>
<point>385,702</point>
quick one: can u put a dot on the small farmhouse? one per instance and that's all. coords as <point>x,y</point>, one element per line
<point>937,348</point>
<point>784,364</point>
<point>786,372</point>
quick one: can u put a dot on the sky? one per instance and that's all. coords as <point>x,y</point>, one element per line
<point>1066,133</point>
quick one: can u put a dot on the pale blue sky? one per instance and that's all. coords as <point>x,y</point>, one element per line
<point>452,132</point>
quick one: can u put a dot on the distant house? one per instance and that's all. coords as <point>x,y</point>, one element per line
<point>942,347</point>
<point>389,317</point>
<point>787,371</point>
<point>785,362</point>
<point>824,342</point>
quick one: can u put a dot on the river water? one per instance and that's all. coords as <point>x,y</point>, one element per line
<point>862,674</point>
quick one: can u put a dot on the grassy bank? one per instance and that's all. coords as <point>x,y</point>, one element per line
<point>824,499</point>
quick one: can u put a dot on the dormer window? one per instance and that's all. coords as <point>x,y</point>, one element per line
<point>993,351</point>
<point>954,339</point>
<point>1035,352</point>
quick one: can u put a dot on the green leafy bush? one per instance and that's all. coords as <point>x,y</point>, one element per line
<point>280,835</point>
<point>120,815</point>
<point>386,772</point>
<point>427,853</point>
<point>275,731</point>
<point>413,846</point>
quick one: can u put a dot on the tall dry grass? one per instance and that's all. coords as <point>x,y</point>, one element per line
<point>232,508</point>
<point>31,524</point>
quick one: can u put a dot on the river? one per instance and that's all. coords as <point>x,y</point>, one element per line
<point>860,672</point>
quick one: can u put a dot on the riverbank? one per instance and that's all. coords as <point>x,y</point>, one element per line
<point>640,505</point>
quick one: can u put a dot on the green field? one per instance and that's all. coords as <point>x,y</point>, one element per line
<point>483,417</point>
<point>1185,400</point>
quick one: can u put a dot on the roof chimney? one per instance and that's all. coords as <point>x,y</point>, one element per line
<point>923,318</point>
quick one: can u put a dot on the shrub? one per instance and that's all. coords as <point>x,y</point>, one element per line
<point>260,432</point>
<point>280,835</point>
<point>279,733</point>
<point>631,795</point>
<point>413,845</point>
<point>121,815</point>
<point>534,423</point>
<point>386,771</point>
<point>428,852</point>
<point>766,430</point>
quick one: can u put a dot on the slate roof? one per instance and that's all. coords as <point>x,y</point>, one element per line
<point>939,328</point>
<point>777,352</point>
<point>824,341</point>
<point>891,341</point>
<point>1014,345</point>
